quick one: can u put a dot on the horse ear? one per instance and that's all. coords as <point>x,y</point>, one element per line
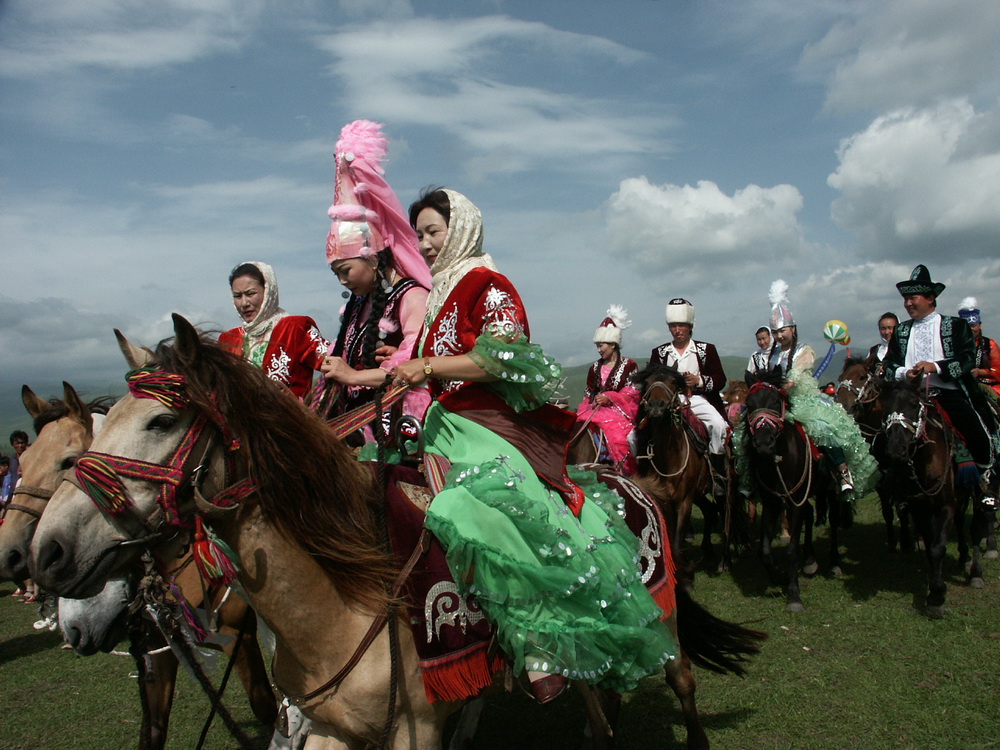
<point>136,356</point>
<point>77,409</point>
<point>187,342</point>
<point>32,403</point>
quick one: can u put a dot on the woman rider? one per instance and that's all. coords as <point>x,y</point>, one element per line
<point>546,553</point>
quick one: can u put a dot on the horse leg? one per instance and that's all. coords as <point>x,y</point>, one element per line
<point>979,523</point>
<point>991,535</point>
<point>157,679</point>
<point>249,665</point>
<point>467,724</point>
<point>809,564</point>
<point>936,548</point>
<point>599,734</point>
<point>792,594</point>
<point>885,501</point>
<point>837,509</point>
<point>681,680</point>
<point>767,523</point>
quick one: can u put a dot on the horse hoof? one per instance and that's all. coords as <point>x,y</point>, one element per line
<point>810,568</point>
<point>991,554</point>
<point>795,607</point>
<point>976,583</point>
<point>935,611</point>
<point>835,571</point>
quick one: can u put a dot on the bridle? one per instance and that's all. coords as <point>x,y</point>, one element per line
<point>918,432</point>
<point>99,475</point>
<point>39,493</point>
<point>675,407</point>
<point>764,416</point>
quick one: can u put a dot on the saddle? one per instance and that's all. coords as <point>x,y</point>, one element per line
<point>453,638</point>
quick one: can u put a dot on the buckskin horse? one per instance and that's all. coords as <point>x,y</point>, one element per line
<point>66,429</point>
<point>919,449</point>
<point>786,470</point>
<point>676,470</point>
<point>212,435</point>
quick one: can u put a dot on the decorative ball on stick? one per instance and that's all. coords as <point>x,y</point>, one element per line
<point>836,332</point>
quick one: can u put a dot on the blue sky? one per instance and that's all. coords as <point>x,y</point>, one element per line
<point>624,151</point>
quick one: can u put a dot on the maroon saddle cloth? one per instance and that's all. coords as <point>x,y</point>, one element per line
<point>452,635</point>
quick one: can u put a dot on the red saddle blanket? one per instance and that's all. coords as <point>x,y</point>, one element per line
<point>452,635</point>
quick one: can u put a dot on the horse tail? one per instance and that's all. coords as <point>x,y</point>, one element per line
<point>712,643</point>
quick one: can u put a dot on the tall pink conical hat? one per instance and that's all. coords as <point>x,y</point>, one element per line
<point>367,216</point>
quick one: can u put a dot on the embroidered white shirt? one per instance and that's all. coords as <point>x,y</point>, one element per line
<point>925,346</point>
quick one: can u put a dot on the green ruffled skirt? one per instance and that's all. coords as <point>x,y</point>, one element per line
<point>828,425</point>
<point>564,594</point>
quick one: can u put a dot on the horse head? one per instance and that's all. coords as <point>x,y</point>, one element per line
<point>766,406</point>
<point>662,388</point>
<point>65,429</point>
<point>905,420</point>
<point>202,436</point>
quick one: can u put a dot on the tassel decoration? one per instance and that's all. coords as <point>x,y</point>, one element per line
<point>216,562</point>
<point>100,481</point>
<point>166,387</point>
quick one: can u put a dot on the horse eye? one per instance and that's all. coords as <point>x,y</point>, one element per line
<point>67,463</point>
<point>162,422</point>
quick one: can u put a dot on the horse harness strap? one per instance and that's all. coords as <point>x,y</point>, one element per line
<point>39,493</point>
<point>423,544</point>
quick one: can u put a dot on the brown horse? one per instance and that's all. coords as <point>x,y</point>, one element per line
<point>300,514</point>
<point>65,430</point>
<point>676,469</point>
<point>858,392</point>
<point>920,465</point>
<point>788,476</point>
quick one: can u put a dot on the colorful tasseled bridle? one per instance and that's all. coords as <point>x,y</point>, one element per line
<point>99,474</point>
<point>763,416</point>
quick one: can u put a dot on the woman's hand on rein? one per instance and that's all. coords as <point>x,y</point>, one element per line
<point>411,373</point>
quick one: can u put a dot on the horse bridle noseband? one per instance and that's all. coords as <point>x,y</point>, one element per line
<point>39,493</point>
<point>675,406</point>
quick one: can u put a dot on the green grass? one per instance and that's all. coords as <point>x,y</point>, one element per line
<point>860,668</point>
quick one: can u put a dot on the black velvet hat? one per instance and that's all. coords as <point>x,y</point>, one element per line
<point>920,283</point>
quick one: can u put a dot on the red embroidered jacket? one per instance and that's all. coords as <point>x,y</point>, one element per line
<point>294,351</point>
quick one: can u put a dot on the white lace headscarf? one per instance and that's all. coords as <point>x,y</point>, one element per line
<point>259,329</point>
<point>462,251</point>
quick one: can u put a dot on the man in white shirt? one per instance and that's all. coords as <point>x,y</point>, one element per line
<point>886,327</point>
<point>942,349</point>
<point>699,362</point>
<point>758,360</point>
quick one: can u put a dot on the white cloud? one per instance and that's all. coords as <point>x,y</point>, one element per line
<point>685,233</point>
<point>922,181</point>
<point>51,37</point>
<point>462,77</point>
<point>909,53</point>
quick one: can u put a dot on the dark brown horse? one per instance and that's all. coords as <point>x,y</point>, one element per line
<point>919,451</point>
<point>858,391</point>
<point>789,477</point>
<point>676,469</point>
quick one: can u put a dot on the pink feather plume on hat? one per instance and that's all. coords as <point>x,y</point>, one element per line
<point>366,213</point>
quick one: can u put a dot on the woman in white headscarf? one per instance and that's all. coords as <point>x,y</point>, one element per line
<point>541,546</point>
<point>289,348</point>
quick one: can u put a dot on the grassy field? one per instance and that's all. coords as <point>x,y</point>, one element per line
<point>860,668</point>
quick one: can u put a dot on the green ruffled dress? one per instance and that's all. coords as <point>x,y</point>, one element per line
<point>563,593</point>
<point>827,425</point>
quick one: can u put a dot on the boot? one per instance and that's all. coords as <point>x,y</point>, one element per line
<point>720,475</point>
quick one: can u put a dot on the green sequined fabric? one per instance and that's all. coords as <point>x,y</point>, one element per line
<point>527,378</point>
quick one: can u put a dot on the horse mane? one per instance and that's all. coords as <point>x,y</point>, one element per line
<point>310,487</point>
<point>774,376</point>
<point>852,361</point>
<point>658,371</point>
<point>57,409</point>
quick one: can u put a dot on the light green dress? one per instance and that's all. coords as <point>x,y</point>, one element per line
<point>563,593</point>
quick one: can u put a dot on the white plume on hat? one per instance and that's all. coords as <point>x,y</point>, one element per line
<point>781,314</point>
<point>969,303</point>
<point>610,330</point>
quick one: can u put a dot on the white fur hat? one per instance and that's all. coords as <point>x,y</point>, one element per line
<point>679,310</point>
<point>610,329</point>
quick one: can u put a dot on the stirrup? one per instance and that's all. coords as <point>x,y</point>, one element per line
<point>412,425</point>
<point>846,480</point>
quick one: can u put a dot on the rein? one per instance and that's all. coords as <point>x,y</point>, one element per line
<point>775,418</point>
<point>918,431</point>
